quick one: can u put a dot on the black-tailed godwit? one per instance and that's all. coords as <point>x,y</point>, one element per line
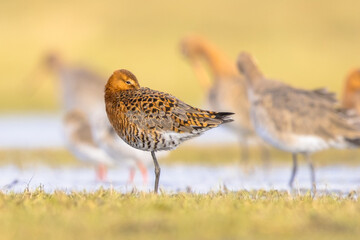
<point>227,91</point>
<point>296,120</point>
<point>152,121</point>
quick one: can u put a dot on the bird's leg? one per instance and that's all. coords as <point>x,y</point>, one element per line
<point>101,172</point>
<point>294,170</point>
<point>131,175</point>
<point>157,172</point>
<point>143,170</point>
<point>312,172</point>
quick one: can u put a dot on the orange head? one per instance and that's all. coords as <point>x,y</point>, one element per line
<point>122,80</point>
<point>353,81</point>
<point>193,46</point>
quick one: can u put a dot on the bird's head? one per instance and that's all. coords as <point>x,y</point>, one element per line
<point>353,81</point>
<point>122,80</point>
<point>52,61</point>
<point>192,46</point>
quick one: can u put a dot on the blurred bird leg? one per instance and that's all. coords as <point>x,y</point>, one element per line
<point>101,172</point>
<point>109,140</point>
<point>143,171</point>
<point>312,172</point>
<point>294,170</point>
<point>131,175</point>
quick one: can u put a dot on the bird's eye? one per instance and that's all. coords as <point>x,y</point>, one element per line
<point>128,82</point>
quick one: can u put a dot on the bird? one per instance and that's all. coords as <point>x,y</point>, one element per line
<point>82,100</point>
<point>351,92</point>
<point>81,143</point>
<point>151,120</point>
<point>227,90</point>
<point>296,120</point>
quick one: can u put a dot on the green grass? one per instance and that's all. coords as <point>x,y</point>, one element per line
<point>107,214</point>
<point>305,43</point>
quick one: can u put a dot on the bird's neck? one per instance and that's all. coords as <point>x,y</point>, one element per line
<point>349,97</point>
<point>220,65</point>
<point>250,70</point>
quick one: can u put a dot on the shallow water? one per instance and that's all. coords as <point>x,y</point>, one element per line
<point>175,178</point>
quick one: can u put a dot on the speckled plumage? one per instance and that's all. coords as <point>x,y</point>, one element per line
<point>296,120</point>
<point>150,120</point>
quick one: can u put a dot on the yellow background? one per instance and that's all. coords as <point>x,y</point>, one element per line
<point>305,43</point>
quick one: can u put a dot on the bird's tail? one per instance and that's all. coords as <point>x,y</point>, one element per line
<point>355,142</point>
<point>225,117</point>
<point>203,120</point>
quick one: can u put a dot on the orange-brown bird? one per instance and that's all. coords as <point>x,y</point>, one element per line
<point>351,94</point>
<point>226,91</point>
<point>150,120</point>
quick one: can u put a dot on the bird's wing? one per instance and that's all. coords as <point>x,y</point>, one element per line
<point>308,112</point>
<point>163,112</point>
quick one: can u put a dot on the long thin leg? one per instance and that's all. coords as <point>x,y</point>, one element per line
<point>101,172</point>
<point>294,170</point>
<point>143,170</point>
<point>157,172</point>
<point>312,172</point>
<point>131,175</point>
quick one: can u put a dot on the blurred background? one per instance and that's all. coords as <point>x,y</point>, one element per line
<point>307,44</point>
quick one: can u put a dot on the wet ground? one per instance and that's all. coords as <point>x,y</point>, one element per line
<point>199,179</point>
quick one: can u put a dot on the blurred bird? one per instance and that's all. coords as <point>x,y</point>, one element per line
<point>80,142</point>
<point>296,120</point>
<point>153,121</point>
<point>227,92</point>
<point>351,93</point>
<point>86,121</point>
